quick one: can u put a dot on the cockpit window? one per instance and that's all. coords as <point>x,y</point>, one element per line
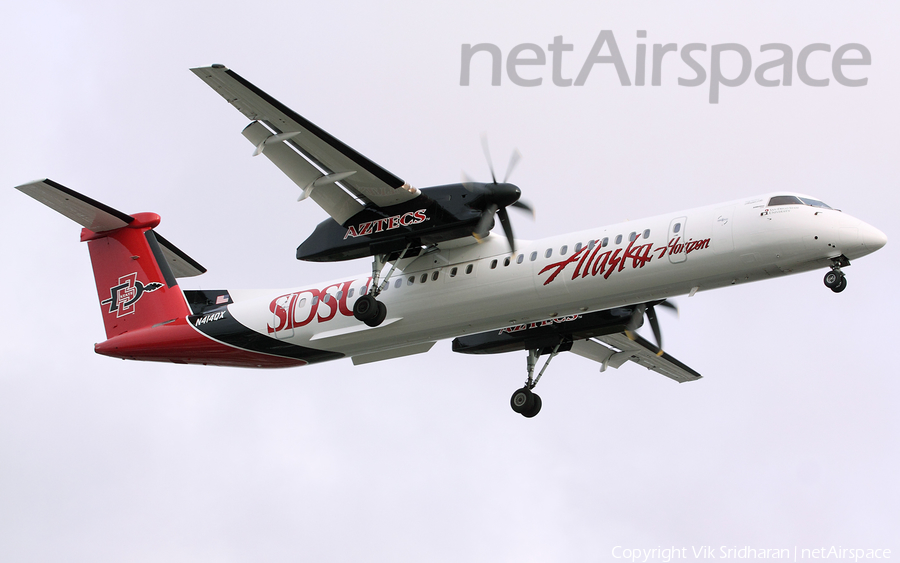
<point>794,200</point>
<point>785,200</point>
<point>814,202</point>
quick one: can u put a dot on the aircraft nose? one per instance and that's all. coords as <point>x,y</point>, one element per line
<point>871,237</point>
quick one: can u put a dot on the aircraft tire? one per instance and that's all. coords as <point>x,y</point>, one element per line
<point>380,315</point>
<point>841,285</point>
<point>832,279</point>
<point>535,408</point>
<point>365,308</point>
<point>522,400</point>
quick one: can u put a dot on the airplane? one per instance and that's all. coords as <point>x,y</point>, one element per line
<point>437,271</point>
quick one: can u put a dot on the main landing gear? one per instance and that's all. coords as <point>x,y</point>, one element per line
<point>835,279</point>
<point>524,401</point>
<point>367,308</point>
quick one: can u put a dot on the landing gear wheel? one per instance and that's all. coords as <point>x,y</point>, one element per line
<point>833,279</point>
<point>379,316</point>
<point>535,408</point>
<point>522,400</point>
<point>365,308</point>
<point>841,285</point>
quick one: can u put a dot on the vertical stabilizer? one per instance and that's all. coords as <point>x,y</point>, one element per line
<point>133,267</point>
<point>135,286</point>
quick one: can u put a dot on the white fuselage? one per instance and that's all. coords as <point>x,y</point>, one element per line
<point>478,287</point>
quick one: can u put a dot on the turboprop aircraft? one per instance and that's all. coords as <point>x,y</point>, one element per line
<point>447,276</point>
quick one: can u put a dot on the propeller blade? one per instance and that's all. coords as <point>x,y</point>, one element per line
<point>484,224</point>
<point>670,305</point>
<point>507,228</point>
<point>654,324</point>
<point>522,205</point>
<point>487,155</point>
<point>513,160</point>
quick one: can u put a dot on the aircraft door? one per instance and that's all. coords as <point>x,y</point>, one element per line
<point>676,240</point>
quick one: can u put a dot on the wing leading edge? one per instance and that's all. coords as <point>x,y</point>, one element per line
<point>338,178</point>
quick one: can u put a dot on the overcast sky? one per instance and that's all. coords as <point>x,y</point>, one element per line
<point>790,439</point>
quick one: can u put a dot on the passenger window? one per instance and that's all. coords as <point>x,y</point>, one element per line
<point>302,302</point>
<point>506,261</point>
<point>493,264</point>
<point>618,239</point>
<point>591,245</point>
<point>549,253</point>
<point>315,300</point>
<point>534,256</point>
<point>339,295</point>
<point>647,233</point>
<point>469,269</point>
<point>434,276</point>
<point>410,280</point>
<point>604,242</point>
<point>398,283</point>
<point>453,272</point>
<point>632,236</point>
<point>520,258</point>
<point>350,293</point>
<point>676,228</point>
<point>577,247</point>
<point>424,278</point>
<point>564,249</point>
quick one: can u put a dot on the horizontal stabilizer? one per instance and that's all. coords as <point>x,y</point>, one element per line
<point>182,265</point>
<point>100,218</point>
<point>83,210</point>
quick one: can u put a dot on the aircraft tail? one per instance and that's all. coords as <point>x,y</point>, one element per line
<point>135,268</point>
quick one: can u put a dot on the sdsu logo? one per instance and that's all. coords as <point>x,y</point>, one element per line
<point>122,297</point>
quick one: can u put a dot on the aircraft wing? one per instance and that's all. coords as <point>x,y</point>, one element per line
<point>335,176</point>
<point>616,349</point>
<point>602,336</point>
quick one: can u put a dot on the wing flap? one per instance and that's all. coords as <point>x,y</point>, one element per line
<point>330,197</point>
<point>370,182</point>
<point>615,349</point>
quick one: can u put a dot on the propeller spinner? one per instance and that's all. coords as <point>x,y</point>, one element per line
<point>496,197</point>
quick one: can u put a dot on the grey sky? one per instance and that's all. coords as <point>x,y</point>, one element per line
<point>789,440</point>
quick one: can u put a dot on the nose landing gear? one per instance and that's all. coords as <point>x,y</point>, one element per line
<point>835,279</point>
<point>524,401</point>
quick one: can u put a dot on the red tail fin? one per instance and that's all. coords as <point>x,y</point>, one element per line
<point>133,266</point>
<point>135,285</point>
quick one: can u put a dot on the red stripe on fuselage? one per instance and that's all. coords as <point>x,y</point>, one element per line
<point>180,343</point>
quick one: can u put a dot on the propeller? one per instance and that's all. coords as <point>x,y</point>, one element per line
<point>650,311</point>
<point>497,197</point>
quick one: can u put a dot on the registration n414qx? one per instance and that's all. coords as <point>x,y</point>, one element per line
<point>434,262</point>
